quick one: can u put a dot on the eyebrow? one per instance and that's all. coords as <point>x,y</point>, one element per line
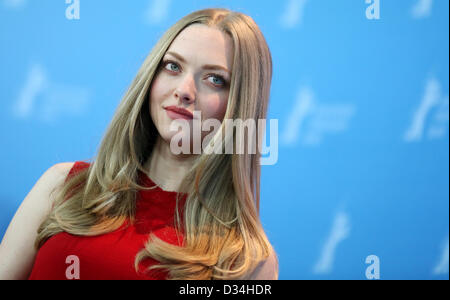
<point>206,67</point>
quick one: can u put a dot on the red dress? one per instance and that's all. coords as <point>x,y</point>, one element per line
<point>111,256</point>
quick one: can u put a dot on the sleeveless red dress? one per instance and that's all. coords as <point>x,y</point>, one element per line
<point>111,256</point>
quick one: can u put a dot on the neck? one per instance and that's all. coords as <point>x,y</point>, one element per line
<point>166,169</point>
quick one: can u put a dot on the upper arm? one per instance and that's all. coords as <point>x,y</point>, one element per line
<point>17,251</point>
<point>267,269</point>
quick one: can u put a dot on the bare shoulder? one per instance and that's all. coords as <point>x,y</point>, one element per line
<point>55,175</point>
<point>62,169</point>
<point>17,251</point>
<point>267,269</point>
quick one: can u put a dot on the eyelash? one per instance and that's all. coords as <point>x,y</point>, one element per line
<point>165,62</point>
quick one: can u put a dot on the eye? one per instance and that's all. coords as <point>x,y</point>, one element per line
<point>171,64</point>
<point>218,80</point>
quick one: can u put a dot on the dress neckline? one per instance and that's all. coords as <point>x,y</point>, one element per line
<point>150,182</point>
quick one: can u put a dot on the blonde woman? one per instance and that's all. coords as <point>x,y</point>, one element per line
<point>139,211</point>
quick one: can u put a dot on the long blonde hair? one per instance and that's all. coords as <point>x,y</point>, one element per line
<point>223,236</point>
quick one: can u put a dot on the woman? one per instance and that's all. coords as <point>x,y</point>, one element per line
<point>212,64</point>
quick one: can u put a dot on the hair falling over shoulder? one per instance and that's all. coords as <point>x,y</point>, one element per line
<point>223,236</point>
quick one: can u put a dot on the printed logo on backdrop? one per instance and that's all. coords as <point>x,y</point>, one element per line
<point>441,268</point>
<point>14,4</point>
<point>339,232</point>
<point>40,98</point>
<point>310,121</point>
<point>422,9</point>
<point>431,117</point>
<point>157,11</point>
<point>293,14</point>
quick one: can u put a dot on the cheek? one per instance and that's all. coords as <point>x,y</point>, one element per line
<point>157,93</point>
<point>215,108</point>
<point>155,90</point>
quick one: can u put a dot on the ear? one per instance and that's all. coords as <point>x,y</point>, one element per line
<point>267,269</point>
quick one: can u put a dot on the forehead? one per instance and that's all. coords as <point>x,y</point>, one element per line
<point>201,44</point>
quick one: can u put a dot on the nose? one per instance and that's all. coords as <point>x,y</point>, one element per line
<point>186,91</point>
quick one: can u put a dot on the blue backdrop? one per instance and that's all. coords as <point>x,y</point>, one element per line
<point>360,91</point>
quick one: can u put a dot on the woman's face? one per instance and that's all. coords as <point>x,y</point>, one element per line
<point>194,74</point>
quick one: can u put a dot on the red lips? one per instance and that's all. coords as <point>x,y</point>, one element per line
<point>181,111</point>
